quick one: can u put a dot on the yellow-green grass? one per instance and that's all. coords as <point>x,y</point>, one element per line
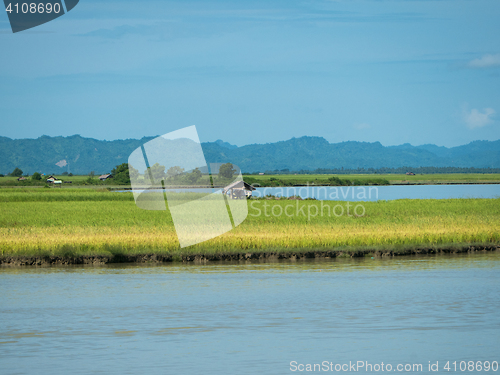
<point>59,177</point>
<point>392,178</point>
<point>77,181</point>
<point>27,194</point>
<point>81,222</point>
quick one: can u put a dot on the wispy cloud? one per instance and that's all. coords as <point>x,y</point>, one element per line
<point>486,61</point>
<point>476,118</point>
<point>362,126</point>
<point>120,31</point>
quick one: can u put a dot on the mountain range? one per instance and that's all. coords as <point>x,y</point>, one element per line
<point>79,155</point>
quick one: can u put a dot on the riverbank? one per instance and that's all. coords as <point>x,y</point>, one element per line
<point>291,255</point>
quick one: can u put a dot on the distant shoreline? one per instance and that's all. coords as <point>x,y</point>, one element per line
<point>114,188</point>
<point>303,185</point>
<point>445,183</point>
<point>290,255</point>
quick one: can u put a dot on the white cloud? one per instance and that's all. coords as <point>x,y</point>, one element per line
<point>361,126</point>
<point>477,119</point>
<point>486,61</point>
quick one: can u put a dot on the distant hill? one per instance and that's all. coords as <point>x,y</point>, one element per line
<point>310,153</point>
<point>81,155</point>
<point>221,143</point>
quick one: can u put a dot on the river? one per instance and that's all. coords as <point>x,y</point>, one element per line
<point>251,318</point>
<point>373,193</point>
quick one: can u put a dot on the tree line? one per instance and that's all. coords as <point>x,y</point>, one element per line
<point>123,173</point>
<point>399,170</point>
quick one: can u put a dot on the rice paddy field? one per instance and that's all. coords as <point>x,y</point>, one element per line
<point>448,178</point>
<point>85,222</point>
<point>302,179</point>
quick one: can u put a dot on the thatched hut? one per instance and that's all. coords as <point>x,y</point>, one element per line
<point>239,190</point>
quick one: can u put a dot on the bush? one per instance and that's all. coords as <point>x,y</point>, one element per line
<point>90,181</point>
<point>335,181</point>
<point>250,180</point>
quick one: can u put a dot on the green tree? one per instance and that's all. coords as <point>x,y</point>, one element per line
<point>120,174</point>
<point>133,173</point>
<point>174,171</point>
<point>123,172</point>
<point>119,169</point>
<point>16,172</point>
<point>156,172</point>
<point>36,176</point>
<point>226,170</point>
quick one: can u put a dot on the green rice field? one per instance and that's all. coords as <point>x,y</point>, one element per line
<point>71,222</point>
<point>291,179</point>
<point>449,178</point>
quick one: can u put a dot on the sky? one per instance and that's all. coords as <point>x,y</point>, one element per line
<point>392,71</point>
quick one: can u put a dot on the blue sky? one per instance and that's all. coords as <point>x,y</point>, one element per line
<point>258,71</point>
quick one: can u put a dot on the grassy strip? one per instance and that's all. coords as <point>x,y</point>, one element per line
<point>286,180</point>
<point>87,223</point>
<point>61,195</point>
<point>370,179</point>
<point>323,181</point>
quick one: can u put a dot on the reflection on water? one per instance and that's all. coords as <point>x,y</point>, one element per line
<point>252,317</point>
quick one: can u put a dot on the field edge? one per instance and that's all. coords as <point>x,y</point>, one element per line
<point>268,254</point>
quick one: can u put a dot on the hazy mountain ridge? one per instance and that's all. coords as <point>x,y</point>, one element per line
<point>315,152</point>
<point>307,153</point>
